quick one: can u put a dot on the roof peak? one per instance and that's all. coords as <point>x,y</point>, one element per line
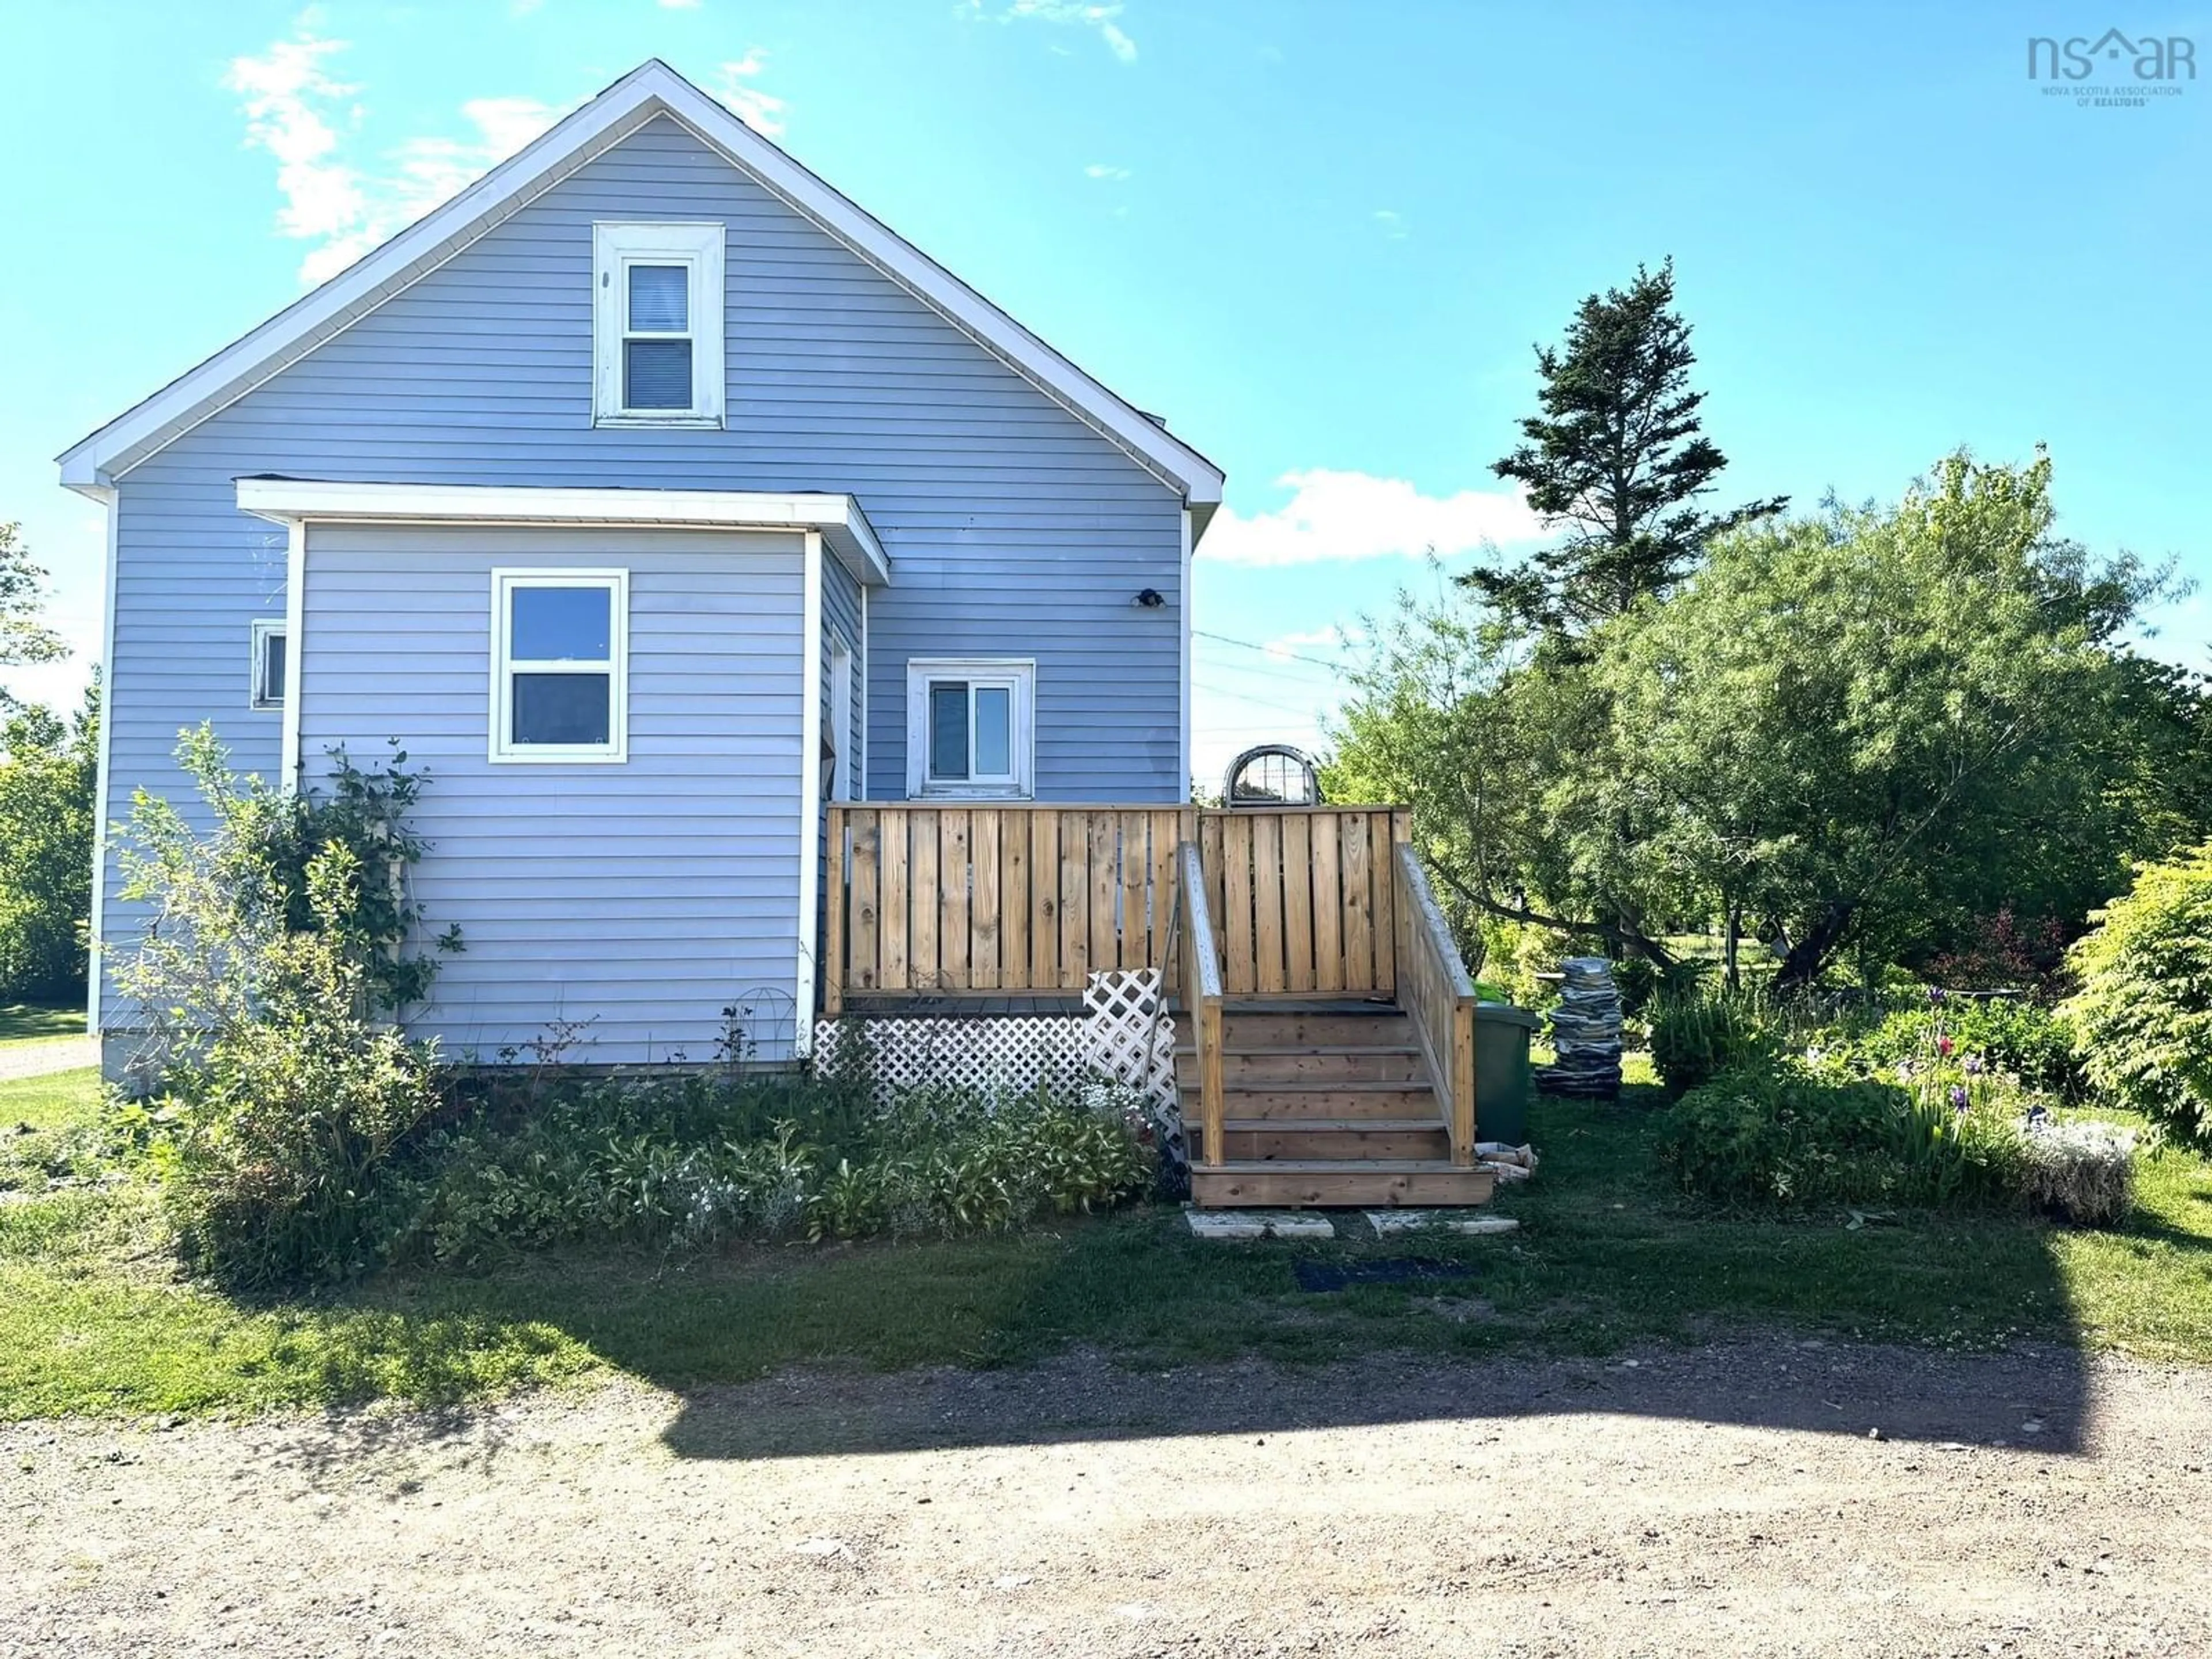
<point>651,88</point>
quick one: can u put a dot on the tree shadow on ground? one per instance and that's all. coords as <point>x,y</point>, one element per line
<point>2033,1396</point>
<point>1921,1326</point>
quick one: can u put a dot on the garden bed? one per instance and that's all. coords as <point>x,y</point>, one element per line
<point>94,1315</point>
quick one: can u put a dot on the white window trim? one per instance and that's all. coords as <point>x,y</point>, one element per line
<point>615,248</point>
<point>1020,672</point>
<point>258,645</point>
<point>616,751</point>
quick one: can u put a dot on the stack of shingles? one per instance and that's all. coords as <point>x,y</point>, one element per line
<point>1585,1033</point>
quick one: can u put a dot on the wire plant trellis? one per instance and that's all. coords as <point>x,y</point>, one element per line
<point>1272,774</point>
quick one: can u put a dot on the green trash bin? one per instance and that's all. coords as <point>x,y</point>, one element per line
<point>1503,1080</point>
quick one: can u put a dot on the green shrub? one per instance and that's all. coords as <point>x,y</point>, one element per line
<point>2142,1021</point>
<point>1783,1135</point>
<point>263,974</point>
<point>1700,1031</point>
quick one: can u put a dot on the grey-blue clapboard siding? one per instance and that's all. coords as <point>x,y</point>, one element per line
<point>640,898</point>
<point>1013,528</point>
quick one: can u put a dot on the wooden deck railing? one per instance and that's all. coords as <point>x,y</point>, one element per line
<point>1438,998</point>
<point>1031,900</point>
<point>1199,971</point>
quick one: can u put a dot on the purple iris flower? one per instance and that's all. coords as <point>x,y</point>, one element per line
<point>1971,1065</point>
<point>1958,1097</point>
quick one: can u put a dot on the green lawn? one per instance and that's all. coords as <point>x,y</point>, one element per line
<point>93,1319</point>
<point>26,1021</point>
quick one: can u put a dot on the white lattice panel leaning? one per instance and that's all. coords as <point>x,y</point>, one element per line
<point>1125,1033</point>
<point>1009,1055</point>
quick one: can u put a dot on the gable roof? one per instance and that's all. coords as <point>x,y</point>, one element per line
<point>650,91</point>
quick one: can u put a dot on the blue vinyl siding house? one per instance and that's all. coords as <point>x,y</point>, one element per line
<point>651,494</point>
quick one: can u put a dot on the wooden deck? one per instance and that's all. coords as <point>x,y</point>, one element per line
<point>1326,1022</point>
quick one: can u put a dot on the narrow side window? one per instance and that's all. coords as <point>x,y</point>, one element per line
<point>265,665</point>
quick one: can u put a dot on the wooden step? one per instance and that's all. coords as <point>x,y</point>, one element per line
<point>1326,1183</point>
<point>1266,1140</point>
<point>1289,1026</point>
<point>1310,1063</point>
<point>1282,1102</point>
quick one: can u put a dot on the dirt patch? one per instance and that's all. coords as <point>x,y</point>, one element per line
<point>1760,1496</point>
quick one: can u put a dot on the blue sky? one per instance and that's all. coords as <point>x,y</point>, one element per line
<point>1320,239</point>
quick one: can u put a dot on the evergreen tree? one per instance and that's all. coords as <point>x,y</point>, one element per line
<point>1618,458</point>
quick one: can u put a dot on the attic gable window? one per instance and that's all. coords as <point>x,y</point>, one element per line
<point>657,324</point>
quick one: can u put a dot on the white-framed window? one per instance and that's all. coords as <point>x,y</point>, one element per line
<point>265,685</point>
<point>840,757</point>
<point>657,324</point>
<point>972,726</point>
<point>560,666</point>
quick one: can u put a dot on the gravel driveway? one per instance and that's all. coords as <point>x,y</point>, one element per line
<point>38,1056</point>
<point>1727,1500</point>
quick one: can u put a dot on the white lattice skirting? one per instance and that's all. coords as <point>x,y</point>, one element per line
<point>1122,1033</point>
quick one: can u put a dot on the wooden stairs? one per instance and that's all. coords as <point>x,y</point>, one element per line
<point>1324,1102</point>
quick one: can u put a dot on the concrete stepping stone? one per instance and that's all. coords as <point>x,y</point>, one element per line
<point>1258,1224</point>
<point>1388,1224</point>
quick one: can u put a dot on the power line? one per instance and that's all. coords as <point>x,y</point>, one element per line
<point>1256,702</point>
<point>1272,650</point>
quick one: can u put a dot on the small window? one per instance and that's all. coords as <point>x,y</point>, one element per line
<point>560,665</point>
<point>265,686</point>
<point>838,781</point>
<point>657,324</point>
<point>970,727</point>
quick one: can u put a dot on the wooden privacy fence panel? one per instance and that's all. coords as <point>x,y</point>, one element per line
<point>935,900</point>
<point>1302,897</point>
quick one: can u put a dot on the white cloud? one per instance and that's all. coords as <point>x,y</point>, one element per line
<point>280,92</point>
<point>1098,18</point>
<point>763,111</point>
<point>1100,170</point>
<point>1356,515</point>
<point>1393,223</point>
<point>305,118</point>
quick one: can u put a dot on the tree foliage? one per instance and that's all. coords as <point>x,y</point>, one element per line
<point>1618,458</point>
<point>2142,1018</point>
<point>1852,733</point>
<point>47,822</point>
<point>23,637</point>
